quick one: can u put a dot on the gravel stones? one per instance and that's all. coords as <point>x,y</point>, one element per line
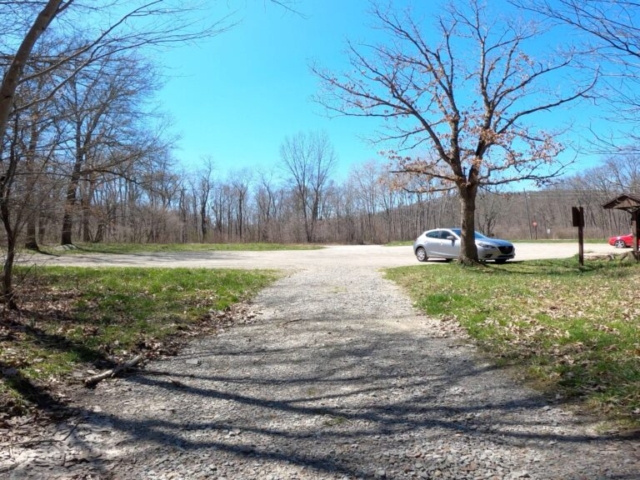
<point>338,378</point>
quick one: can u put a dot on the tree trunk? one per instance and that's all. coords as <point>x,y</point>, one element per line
<point>67,219</point>
<point>14,73</point>
<point>100,231</point>
<point>468,248</point>
<point>5,213</point>
<point>31,240</point>
<point>86,203</point>
<point>7,274</point>
<point>86,224</point>
<point>203,221</point>
<point>240,217</point>
<point>6,184</point>
<point>72,191</point>
<point>42,227</point>
<point>308,228</point>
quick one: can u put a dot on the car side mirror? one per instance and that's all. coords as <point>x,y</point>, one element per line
<point>451,237</point>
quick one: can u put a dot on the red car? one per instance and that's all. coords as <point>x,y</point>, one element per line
<point>622,241</point>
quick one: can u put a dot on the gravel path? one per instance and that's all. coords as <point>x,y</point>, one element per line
<point>337,377</point>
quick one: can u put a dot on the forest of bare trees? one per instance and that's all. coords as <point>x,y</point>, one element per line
<point>155,201</point>
<point>72,108</point>
<point>86,158</point>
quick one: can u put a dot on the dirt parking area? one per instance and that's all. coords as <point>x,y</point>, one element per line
<point>375,256</point>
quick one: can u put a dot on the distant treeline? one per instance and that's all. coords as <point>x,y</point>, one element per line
<point>166,207</point>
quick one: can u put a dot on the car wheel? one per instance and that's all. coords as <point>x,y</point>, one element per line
<point>500,261</point>
<point>619,244</point>
<point>421,254</point>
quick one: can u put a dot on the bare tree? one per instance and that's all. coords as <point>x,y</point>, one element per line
<point>268,198</point>
<point>100,109</point>
<point>308,159</point>
<point>13,74</point>
<point>492,204</point>
<point>457,109</point>
<point>29,148</point>
<point>240,182</point>
<point>623,172</point>
<point>90,32</point>
<point>205,184</point>
<point>115,26</point>
<point>39,143</point>
<point>610,30</point>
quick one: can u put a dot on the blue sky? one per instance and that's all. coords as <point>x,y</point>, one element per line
<point>235,97</point>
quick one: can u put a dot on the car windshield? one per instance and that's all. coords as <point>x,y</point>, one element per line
<point>458,232</point>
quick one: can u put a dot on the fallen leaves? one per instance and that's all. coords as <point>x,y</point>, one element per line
<point>576,332</point>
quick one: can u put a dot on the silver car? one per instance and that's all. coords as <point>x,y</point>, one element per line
<point>445,243</point>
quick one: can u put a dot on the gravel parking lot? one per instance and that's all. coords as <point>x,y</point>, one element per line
<point>337,376</point>
<point>374,256</point>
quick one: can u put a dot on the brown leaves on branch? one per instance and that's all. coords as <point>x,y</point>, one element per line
<point>453,111</point>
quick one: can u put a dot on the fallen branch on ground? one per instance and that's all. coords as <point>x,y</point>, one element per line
<point>95,379</point>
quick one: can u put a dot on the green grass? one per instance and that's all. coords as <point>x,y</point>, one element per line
<point>399,243</point>
<point>129,248</point>
<point>82,318</point>
<point>574,331</point>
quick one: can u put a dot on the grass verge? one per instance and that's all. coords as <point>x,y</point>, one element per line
<point>130,248</point>
<point>75,319</point>
<point>575,332</point>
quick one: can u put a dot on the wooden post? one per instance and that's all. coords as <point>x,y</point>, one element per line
<point>577,217</point>
<point>635,229</point>
<point>581,237</point>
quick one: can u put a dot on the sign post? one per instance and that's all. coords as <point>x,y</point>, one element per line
<point>577,216</point>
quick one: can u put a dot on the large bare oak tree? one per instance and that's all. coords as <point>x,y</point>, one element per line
<point>460,98</point>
